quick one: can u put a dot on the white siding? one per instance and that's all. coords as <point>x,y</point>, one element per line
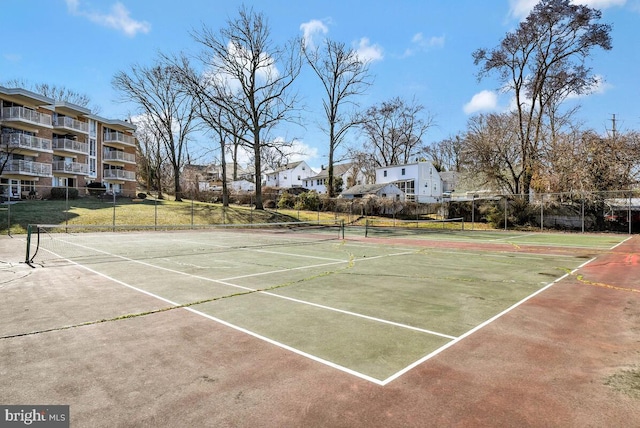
<point>427,184</point>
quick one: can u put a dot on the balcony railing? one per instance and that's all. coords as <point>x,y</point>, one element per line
<point>70,167</point>
<point>114,155</point>
<point>118,174</point>
<point>27,142</point>
<point>70,123</point>
<point>118,137</point>
<point>28,168</point>
<point>68,145</point>
<point>25,115</point>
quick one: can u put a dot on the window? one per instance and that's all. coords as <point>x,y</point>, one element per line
<point>403,171</point>
<point>384,173</point>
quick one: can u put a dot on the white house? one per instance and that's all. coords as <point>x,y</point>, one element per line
<point>291,175</point>
<point>243,185</point>
<point>348,172</point>
<point>420,182</point>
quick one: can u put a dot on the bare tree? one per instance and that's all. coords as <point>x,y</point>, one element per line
<point>447,154</point>
<point>541,63</point>
<point>394,131</point>
<point>58,93</point>
<point>151,156</point>
<point>251,79</point>
<point>169,110</point>
<point>344,76</point>
<point>217,122</point>
<point>492,150</point>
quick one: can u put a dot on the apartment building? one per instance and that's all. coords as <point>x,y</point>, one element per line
<point>46,143</point>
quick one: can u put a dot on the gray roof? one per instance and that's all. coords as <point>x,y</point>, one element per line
<point>365,189</point>
<point>337,171</point>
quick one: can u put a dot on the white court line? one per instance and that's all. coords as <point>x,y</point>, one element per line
<point>509,237</point>
<point>619,243</point>
<point>257,250</point>
<point>304,302</point>
<point>478,327</point>
<point>227,324</point>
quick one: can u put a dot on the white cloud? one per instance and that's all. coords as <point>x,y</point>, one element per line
<point>519,9</point>
<point>303,152</point>
<point>421,44</point>
<point>311,29</point>
<point>482,101</point>
<point>118,18</point>
<point>368,52</point>
<point>12,57</point>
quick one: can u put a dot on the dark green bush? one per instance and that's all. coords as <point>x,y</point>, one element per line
<point>286,200</point>
<point>61,193</point>
<point>307,201</point>
<point>96,188</point>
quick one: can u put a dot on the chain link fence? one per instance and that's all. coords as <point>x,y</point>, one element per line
<point>578,212</point>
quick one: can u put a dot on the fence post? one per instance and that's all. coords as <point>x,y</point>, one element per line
<point>66,208</point>
<point>582,213</point>
<point>629,218</point>
<point>473,211</point>
<point>505,213</point>
<point>114,209</point>
<point>8,208</point>
<point>192,213</point>
<point>542,212</point>
<point>155,214</point>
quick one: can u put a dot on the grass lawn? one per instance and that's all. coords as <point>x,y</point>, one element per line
<point>15,217</point>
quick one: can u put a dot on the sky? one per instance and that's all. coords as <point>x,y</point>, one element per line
<point>419,50</point>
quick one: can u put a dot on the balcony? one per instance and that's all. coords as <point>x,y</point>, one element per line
<point>72,146</point>
<point>71,125</point>
<point>72,168</point>
<point>118,174</point>
<point>24,118</point>
<point>118,139</point>
<point>25,144</point>
<point>23,167</point>
<point>116,156</point>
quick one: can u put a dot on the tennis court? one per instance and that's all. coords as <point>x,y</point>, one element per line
<point>371,308</point>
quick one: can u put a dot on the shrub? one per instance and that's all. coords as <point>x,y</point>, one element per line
<point>61,193</point>
<point>142,195</point>
<point>96,188</point>
<point>286,200</point>
<point>307,201</point>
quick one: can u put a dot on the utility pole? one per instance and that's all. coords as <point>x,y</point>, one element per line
<point>613,126</point>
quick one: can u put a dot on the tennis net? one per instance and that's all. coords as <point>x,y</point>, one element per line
<point>382,226</point>
<point>47,242</point>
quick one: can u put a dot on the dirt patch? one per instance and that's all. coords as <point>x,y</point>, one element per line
<point>626,381</point>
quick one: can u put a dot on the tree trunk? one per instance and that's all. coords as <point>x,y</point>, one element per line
<point>225,191</point>
<point>258,167</point>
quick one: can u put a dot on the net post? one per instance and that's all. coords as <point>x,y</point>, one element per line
<point>342,228</point>
<point>26,259</point>
<point>366,227</point>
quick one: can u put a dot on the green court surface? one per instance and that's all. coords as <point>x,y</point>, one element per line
<point>370,308</point>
